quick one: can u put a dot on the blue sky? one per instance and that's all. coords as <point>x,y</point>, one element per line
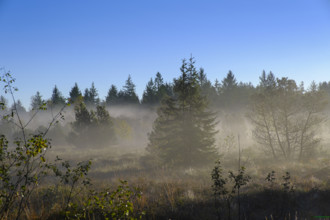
<point>45,42</point>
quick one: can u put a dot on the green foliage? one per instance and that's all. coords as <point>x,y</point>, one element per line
<point>91,96</point>
<point>23,162</point>
<point>183,133</point>
<point>98,124</point>
<point>150,94</point>
<point>229,82</point>
<point>37,102</point>
<point>127,95</point>
<point>20,171</point>
<point>112,97</point>
<point>219,181</point>
<point>57,99</point>
<point>156,90</point>
<point>220,188</point>
<point>116,204</point>
<point>83,117</point>
<point>23,165</point>
<point>75,93</point>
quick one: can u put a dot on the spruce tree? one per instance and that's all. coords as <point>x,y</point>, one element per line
<point>83,117</point>
<point>75,93</point>
<point>87,99</point>
<point>93,95</point>
<point>57,99</point>
<point>159,80</point>
<point>112,97</point>
<point>150,94</point>
<point>127,95</point>
<point>183,133</point>
<point>229,82</point>
<point>36,101</point>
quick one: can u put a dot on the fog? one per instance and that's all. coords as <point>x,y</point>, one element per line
<point>275,137</point>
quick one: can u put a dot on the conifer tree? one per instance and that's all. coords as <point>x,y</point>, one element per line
<point>87,99</point>
<point>229,82</point>
<point>97,124</point>
<point>83,117</point>
<point>150,94</point>
<point>159,80</point>
<point>75,93</point>
<point>93,95</point>
<point>36,101</point>
<point>57,99</point>
<point>127,95</point>
<point>112,97</point>
<point>183,133</point>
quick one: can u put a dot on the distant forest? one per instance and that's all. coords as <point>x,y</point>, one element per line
<point>285,117</point>
<point>228,93</point>
<point>181,128</point>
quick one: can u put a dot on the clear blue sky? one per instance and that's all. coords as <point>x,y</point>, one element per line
<point>48,42</point>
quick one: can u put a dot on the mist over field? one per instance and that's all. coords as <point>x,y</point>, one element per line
<point>164,110</point>
<point>180,135</point>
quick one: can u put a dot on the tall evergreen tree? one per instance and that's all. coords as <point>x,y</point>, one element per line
<point>162,89</point>
<point>83,117</point>
<point>217,86</point>
<point>229,82</point>
<point>93,95</point>
<point>207,89</point>
<point>159,80</point>
<point>267,81</point>
<point>183,133</point>
<point>36,101</point>
<point>87,99</point>
<point>150,94</point>
<point>57,99</point>
<point>75,93</point>
<point>228,92</point>
<point>112,97</point>
<point>127,95</point>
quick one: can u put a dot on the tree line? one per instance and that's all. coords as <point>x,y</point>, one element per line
<point>285,116</point>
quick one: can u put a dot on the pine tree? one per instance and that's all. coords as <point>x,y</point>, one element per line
<point>75,93</point>
<point>228,94</point>
<point>112,97</point>
<point>57,99</point>
<point>87,99</point>
<point>159,80</point>
<point>93,95</point>
<point>127,95</point>
<point>150,94</point>
<point>183,133</point>
<point>36,101</point>
<point>83,117</point>
<point>229,82</point>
